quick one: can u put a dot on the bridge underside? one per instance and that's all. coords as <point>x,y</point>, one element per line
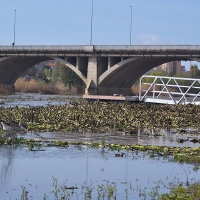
<point>11,68</point>
<point>126,73</point>
<point>101,75</point>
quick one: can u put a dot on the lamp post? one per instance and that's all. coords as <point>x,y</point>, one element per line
<point>14,29</point>
<point>91,24</point>
<point>131,26</point>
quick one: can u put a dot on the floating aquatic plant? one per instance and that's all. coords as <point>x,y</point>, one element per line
<point>83,116</point>
<point>177,154</point>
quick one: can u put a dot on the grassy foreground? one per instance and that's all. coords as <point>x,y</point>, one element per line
<point>109,191</point>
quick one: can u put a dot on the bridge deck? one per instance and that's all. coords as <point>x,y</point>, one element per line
<point>106,49</point>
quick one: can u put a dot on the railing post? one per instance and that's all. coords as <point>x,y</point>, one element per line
<point>140,89</point>
<point>154,88</point>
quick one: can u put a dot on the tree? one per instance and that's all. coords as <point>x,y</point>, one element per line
<point>70,78</point>
<point>156,73</point>
<point>42,77</point>
<point>194,72</point>
<point>48,73</point>
<point>55,75</point>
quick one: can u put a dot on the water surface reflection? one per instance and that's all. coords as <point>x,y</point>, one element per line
<point>77,166</point>
<point>164,138</point>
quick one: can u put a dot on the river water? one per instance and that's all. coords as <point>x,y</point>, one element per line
<point>34,99</point>
<point>46,172</point>
<point>133,174</point>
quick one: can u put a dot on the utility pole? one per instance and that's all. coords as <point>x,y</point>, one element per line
<point>14,29</point>
<point>131,25</point>
<point>91,24</point>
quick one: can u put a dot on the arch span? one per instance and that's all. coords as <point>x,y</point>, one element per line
<point>127,72</point>
<point>11,68</point>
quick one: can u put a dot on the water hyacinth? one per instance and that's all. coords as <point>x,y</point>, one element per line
<point>83,116</point>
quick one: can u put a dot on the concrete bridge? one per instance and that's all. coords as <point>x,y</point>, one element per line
<point>104,69</point>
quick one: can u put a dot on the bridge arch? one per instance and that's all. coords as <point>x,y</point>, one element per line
<point>11,68</point>
<point>125,73</point>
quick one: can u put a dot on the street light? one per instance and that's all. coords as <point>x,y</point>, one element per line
<point>131,25</point>
<point>14,28</point>
<point>91,24</point>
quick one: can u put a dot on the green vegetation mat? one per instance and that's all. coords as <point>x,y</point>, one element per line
<point>83,116</point>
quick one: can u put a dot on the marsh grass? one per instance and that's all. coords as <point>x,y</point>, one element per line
<point>191,192</point>
<point>108,191</point>
<point>26,86</point>
<point>5,90</point>
<point>63,192</point>
<point>34,86</point>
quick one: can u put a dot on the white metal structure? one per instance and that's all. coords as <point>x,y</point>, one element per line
<point>169,90</point>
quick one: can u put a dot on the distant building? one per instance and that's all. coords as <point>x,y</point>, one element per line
<point>183,70</point>
<point>51,63</point>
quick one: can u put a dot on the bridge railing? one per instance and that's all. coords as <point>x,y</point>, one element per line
<point>105,48</point>
<point>145,47</point>
<point>48,47</point>
<point>169,90</point>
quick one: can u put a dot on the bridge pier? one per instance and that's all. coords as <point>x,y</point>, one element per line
<point>95,67</point>
<point>92,75</point>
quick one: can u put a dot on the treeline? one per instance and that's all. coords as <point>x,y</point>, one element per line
<point>193,73</point>
<point>59,74</point>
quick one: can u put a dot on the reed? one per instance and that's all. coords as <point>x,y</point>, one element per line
<point>34,86</point>
<point>6,90</point>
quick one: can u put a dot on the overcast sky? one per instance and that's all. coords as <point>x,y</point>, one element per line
<point>68,22</point>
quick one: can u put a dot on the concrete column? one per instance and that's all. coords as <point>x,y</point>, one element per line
<point>92,69</point>
<point>109,63</point>
<point>92,75</point>
<point>77,62</point>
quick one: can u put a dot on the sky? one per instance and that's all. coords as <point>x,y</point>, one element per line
<point>68,22</point>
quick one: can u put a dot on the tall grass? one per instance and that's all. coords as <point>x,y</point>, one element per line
<point>34,86</point>
<point>4,89</point>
